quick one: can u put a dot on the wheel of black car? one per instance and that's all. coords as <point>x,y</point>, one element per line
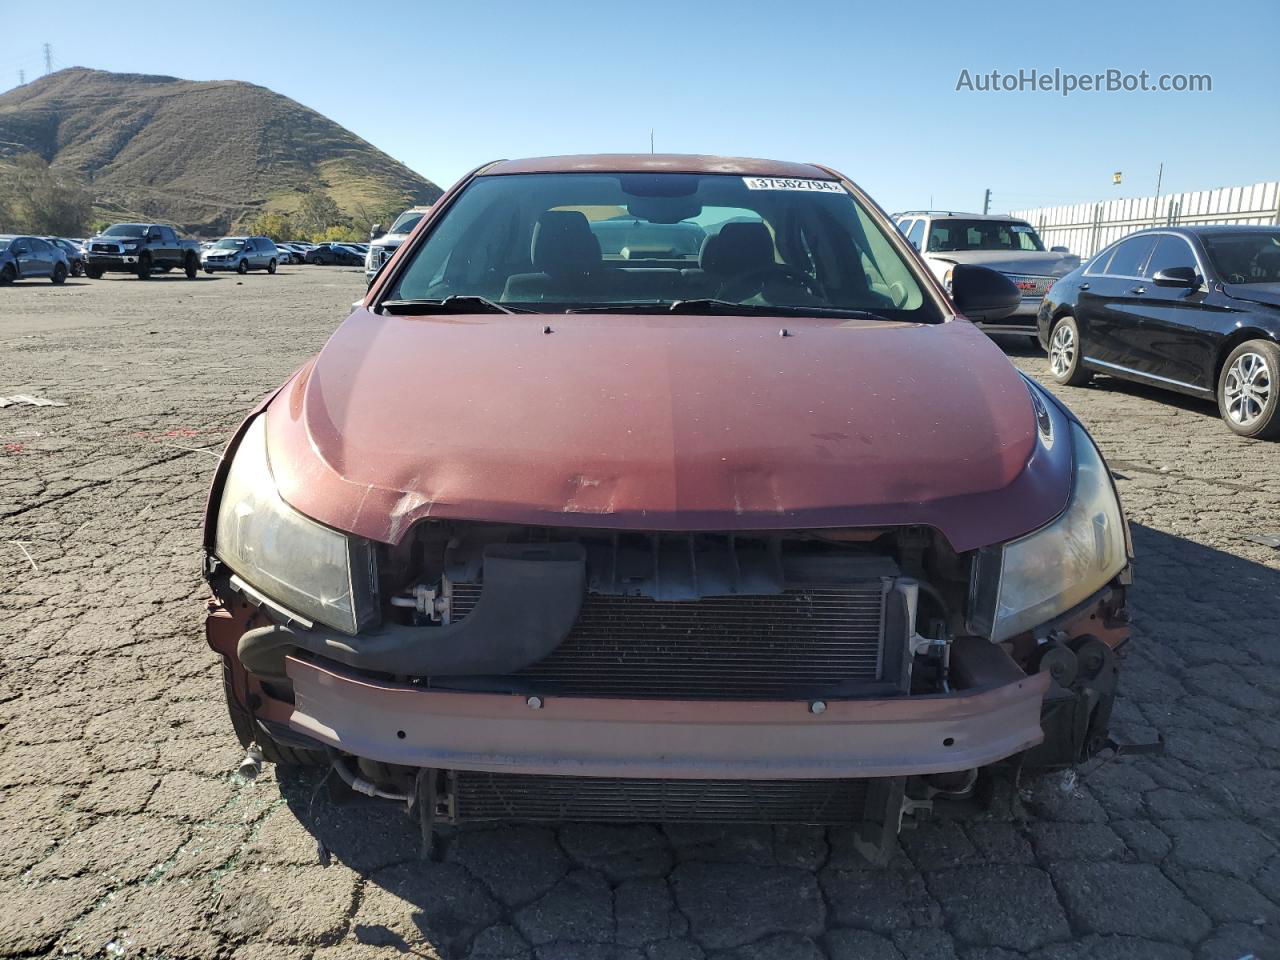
<point>208,270</point>
<point>1249,390</point>
<point>59,273</point>
<point>93,273</point>
<point>321,261</point>
<point>8,274</point>
<point>271,267</point>
<point>242,267</point>
<point>1064,354</point>
<point>191,266</point>
<point>144,268</point>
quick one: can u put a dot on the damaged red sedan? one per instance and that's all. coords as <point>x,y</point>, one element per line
<point>666,488</point>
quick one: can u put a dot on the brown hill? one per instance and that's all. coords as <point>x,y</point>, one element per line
<point>203,155</point>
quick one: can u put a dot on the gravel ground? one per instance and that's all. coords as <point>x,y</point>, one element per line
<point>123,832</point>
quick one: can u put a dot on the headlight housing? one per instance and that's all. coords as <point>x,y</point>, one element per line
<point>1026,582</point>
<point>302,565</point>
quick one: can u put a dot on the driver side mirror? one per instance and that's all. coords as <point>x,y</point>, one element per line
<point>983,294</point>
<point>1059,250</point>
<point>376,231</point>
<point>1177,277</point>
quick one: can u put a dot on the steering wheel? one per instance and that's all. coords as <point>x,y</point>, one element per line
<point>756,283</point>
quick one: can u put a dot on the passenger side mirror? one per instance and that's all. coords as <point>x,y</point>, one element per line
<point>983,294</point>
<point>1059,250</point>
<point>1177,277</point>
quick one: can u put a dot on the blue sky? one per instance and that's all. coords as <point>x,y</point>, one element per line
<point>868,89</point>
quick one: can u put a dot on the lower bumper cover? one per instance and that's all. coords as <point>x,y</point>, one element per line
<point>676,739</point>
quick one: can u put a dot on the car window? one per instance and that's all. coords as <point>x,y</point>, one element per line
<point>38,245</point>
<point>125,230</point>
<point>952,235</point>
<point>529,239</point>
<point>1128,258</point>
<point>917,234</point>
<point>1170,252</point>
<point>406,222</point>
<point>904,225</point>
<point>21,246</point>
<point>1245,257</point>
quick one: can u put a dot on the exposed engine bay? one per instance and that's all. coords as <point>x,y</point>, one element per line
<point>822,617</point>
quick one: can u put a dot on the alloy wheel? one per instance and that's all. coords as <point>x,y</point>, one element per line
<point>1062,350</point>
<point>1247,388</point>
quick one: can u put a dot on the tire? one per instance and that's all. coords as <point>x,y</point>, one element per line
<point>248,732</point>
<point>208,271</point>
<point>319,261</point>
<point>271,267</point>
<point>59,274</point>
<point>1064,354</point>
<point>1249,390</point>
<point>77,268</point>
<point>242,267</point>
<point>144,268</point>
<point>191,266</point>
<point>93,273</point>
<point>7,275</point>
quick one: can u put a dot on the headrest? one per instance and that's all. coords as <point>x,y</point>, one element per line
<point>737,249</point>
<point>563,243</point>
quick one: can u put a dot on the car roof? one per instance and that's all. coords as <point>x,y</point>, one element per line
<point>960,215</point>
<point>657,163</point>
<point>1203,229</point>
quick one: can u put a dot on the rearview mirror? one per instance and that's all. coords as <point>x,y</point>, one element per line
<point>983,294</point>
<point>1177,277</point>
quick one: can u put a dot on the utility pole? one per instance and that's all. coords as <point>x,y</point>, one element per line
<point>48,58</point>
<point>22,77</point>
<point>986,202</point>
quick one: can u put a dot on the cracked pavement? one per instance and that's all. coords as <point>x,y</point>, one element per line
<point>123,832</point>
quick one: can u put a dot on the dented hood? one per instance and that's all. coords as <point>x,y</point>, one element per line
<point>664,423</point>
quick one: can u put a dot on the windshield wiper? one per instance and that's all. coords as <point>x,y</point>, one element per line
<point>455,303</point>
<point>711,305</point>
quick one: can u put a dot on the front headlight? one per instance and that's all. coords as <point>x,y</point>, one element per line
<point>1026,582</point>
<point>304,566</point>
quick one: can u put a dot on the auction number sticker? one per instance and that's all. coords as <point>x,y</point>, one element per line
<point>785,183</point>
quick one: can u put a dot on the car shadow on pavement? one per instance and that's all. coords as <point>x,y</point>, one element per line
<point>1206,643</point>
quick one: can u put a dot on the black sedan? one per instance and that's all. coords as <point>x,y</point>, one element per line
<point>327,253</point>
<point>1191,309</point>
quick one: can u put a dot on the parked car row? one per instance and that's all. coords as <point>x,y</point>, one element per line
<point>145,248</point>
<point>1195,310</point>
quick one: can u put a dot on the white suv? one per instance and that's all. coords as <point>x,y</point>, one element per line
<point>383,245</point>
<point>1001,243</point>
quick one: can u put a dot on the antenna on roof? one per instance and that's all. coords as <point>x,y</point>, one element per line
<point>651,139</point>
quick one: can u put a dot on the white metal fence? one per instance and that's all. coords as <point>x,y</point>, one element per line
<point>1085,228</point>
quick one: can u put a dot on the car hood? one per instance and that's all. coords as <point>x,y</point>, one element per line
<point>392,240</point>
<point>1035,262</point>
<point>665,423</point>
<point>1267,293</point>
